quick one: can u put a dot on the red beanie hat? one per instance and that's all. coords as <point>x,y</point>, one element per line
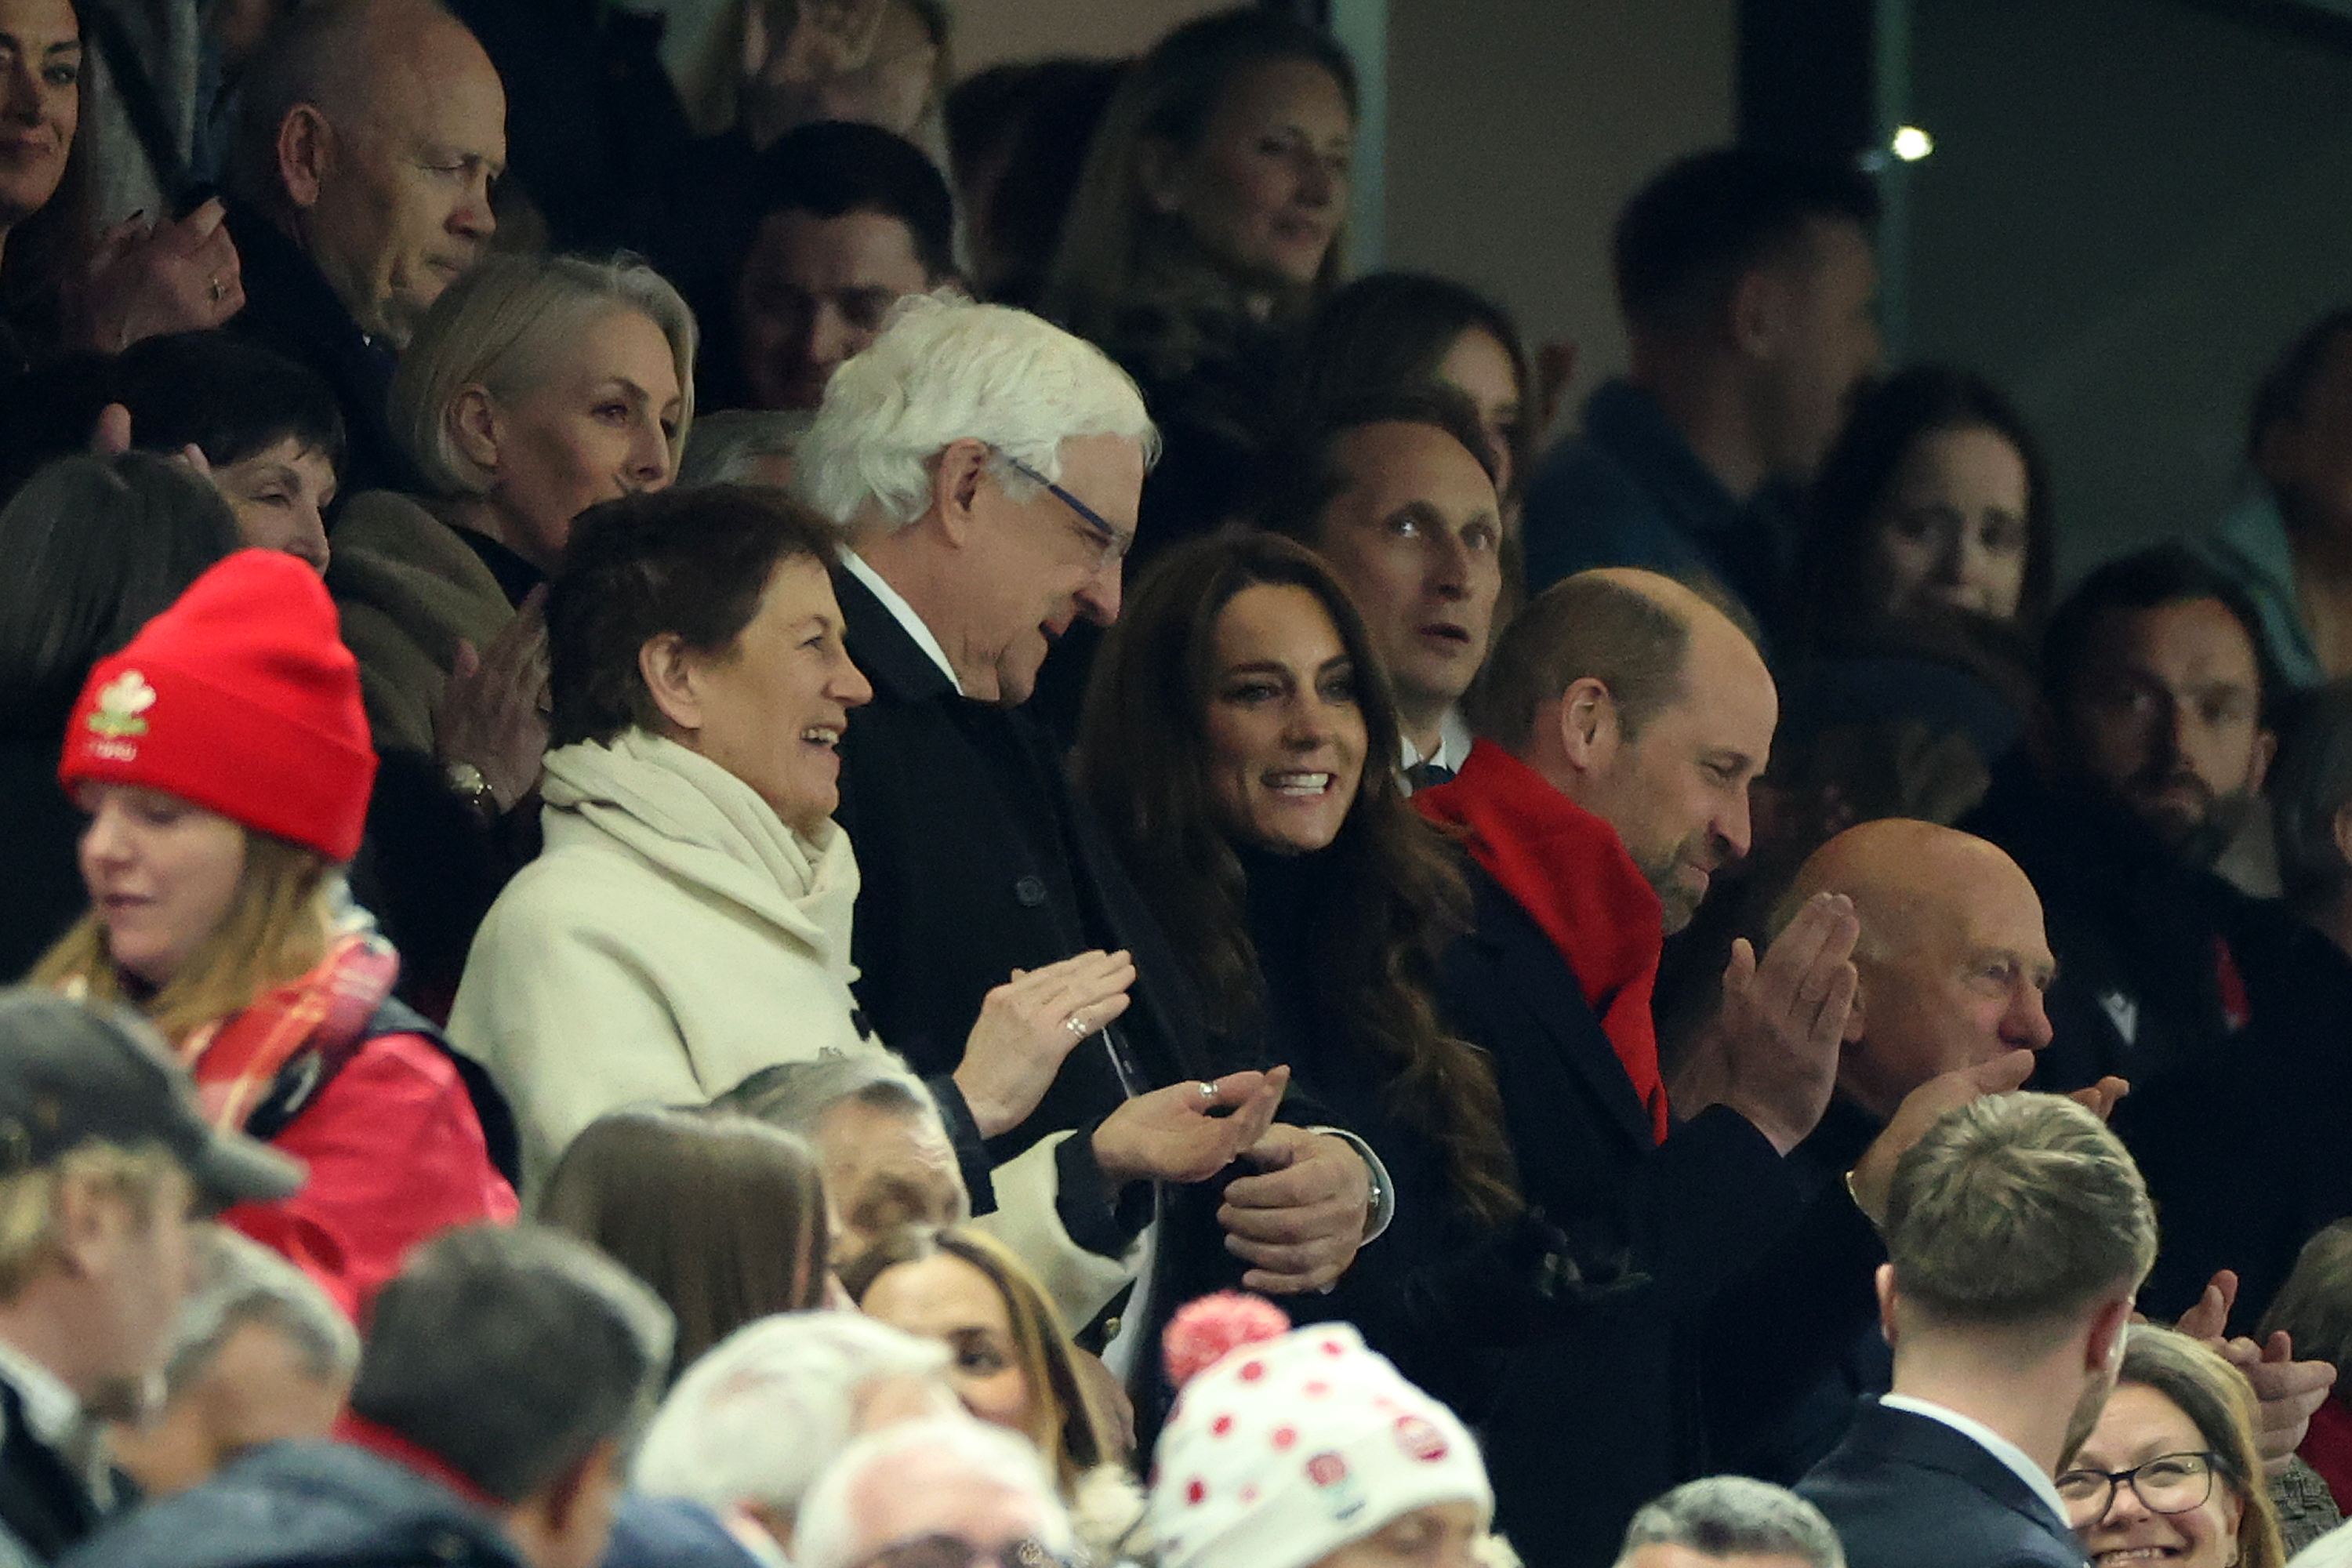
<point>242,699</point>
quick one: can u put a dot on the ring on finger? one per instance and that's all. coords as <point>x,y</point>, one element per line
<point>1078,1025</point>
<point>213,283</point>
<point>1208,1090</point>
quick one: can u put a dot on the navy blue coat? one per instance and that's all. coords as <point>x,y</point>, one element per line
<point>1908,1491</point>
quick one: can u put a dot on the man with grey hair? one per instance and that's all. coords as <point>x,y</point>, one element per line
<point>1730,1520</point>
<point>371,132</point>
<point>2018,1231</point>
<point>885,1152</point>
<point>987,467</point>
<point>259,1354</point>
<point>825,1378</point>
<point>946,1489</point>
<point>505,1371</point>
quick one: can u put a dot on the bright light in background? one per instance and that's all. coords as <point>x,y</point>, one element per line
<point>1911,143</point>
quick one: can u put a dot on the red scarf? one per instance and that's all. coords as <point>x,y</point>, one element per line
<point>1570,870</point>
<point>237,1061</point>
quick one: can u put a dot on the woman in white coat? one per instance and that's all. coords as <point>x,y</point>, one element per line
<point>689,922</point>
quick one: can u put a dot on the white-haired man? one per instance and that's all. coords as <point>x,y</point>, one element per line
<point>825,1377</point>
<point>947,1489</point>
<point>987,467</point>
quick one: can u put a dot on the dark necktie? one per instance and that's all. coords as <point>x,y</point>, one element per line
<point>1423,776</point>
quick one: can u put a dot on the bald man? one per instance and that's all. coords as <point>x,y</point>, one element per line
<point>373,131</point>
<point>1625,718</point>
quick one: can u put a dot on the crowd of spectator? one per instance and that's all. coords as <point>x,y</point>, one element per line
<point>787,812</point>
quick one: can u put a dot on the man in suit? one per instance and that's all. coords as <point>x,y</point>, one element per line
<point>987,467</point>
<point>1623,719</point>
<point>2017,1232</point>
<point>103,1153</point>
<point>372,130</point>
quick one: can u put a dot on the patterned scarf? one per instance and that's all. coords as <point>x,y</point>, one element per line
<point>256,1070</point>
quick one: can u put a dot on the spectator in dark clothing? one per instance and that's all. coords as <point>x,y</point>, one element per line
<point>505,1374</point>
<point>1623,723</point>
<point>2311,798</point>
<point>1746,281</point>
<point>97,547</point>
<point>842,221</point>
<point>936,450</point>
<point>1207,221</point>
<point>371,132</point>
<point>1017,141</point>
<point>110,1151</point>
<point>2017,1231</point>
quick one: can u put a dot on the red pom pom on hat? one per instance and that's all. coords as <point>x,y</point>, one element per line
<point>1205,1332</point>
<point>241,698</point>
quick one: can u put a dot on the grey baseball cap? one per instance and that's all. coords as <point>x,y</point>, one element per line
<point>72,1073</point>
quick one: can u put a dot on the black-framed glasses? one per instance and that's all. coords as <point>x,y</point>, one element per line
<point>943,1550</point>
<point>1114,543</point>
<point>2169,1483</point>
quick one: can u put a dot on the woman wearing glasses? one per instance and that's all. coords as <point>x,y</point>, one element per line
<point>2170,1471</point>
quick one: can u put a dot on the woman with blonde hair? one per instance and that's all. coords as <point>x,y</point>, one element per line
<point>535,387</point>
<point>1012,1361</point>
<point>224,763</point>
<point>2171,1469</point>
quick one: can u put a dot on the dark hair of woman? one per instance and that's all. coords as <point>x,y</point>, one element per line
<point>96,548</point>
<point>1068,1430</point>
<point>1133,279</point>
<point>1142,762</point>
<point>1388,334</point>
<point>43,249</point>
<point>1851,491</point>
<point>228,398</point>
<point>690,562</point>
<point>723,1215</point>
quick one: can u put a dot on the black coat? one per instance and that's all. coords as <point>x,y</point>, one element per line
<point>289,307</point>
<point>1908,1491</point>
<point>37,863</point>
<point>975,859</point>
<point>45,1507</point>
<point>1585,1428</point>
<point>306,1505</point>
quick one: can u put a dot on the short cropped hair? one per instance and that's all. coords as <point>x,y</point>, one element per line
<point>1583,627</point>
<point>227,396</point>
<point>828,1535</point>
<point>949,370</point>
<point>726,446</point>
<point>1684,241</point>
<point>794,1096</point>
<point>1735,1516</point>
<point>693,563</point>
<point>2017,1211</point>
<point>510,1352</point>
<point>2309,785</point>
<point>833,168</point>
<point>715,1439</point>
<point>1308,477</point>
<point>497,326</point>
<point>2148,580</point>
<point>240,1282</point>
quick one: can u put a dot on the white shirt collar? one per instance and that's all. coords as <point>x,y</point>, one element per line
<point>50,1408</point>
<point>901,611</point>
<point>1454,739</point>
<point>2036,1478</point>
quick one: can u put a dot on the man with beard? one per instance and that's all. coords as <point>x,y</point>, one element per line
<point>2154,741</point>
<point>2156,738</point>
<point>2017,1232</point>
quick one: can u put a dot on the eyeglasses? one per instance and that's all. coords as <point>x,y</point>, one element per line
<point>1114,543</point>
<point>954,1552</point>
<point>2169,1483</point>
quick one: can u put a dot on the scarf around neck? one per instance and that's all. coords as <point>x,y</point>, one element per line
<point>1571,872</point>
<point>257,1069</point>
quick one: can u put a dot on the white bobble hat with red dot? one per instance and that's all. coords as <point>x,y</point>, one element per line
<point>1284,1450</point>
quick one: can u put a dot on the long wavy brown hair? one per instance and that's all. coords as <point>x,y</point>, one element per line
<point>1143,763</point>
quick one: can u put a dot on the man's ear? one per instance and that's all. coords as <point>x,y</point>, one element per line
<point>1589,731</point>
<point>1854,1025</point>
<point>1157,167</point>
<point>955,486</point>
<point>671,672</point>
<point>2102,1352</point>
<point>1885,1282</point>
<point>305,154</point>
<point>1761,307</point>
<point>2266,752</point>
<point>473,426</point>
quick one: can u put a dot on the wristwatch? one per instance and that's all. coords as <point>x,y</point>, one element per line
<point>467,783</point>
